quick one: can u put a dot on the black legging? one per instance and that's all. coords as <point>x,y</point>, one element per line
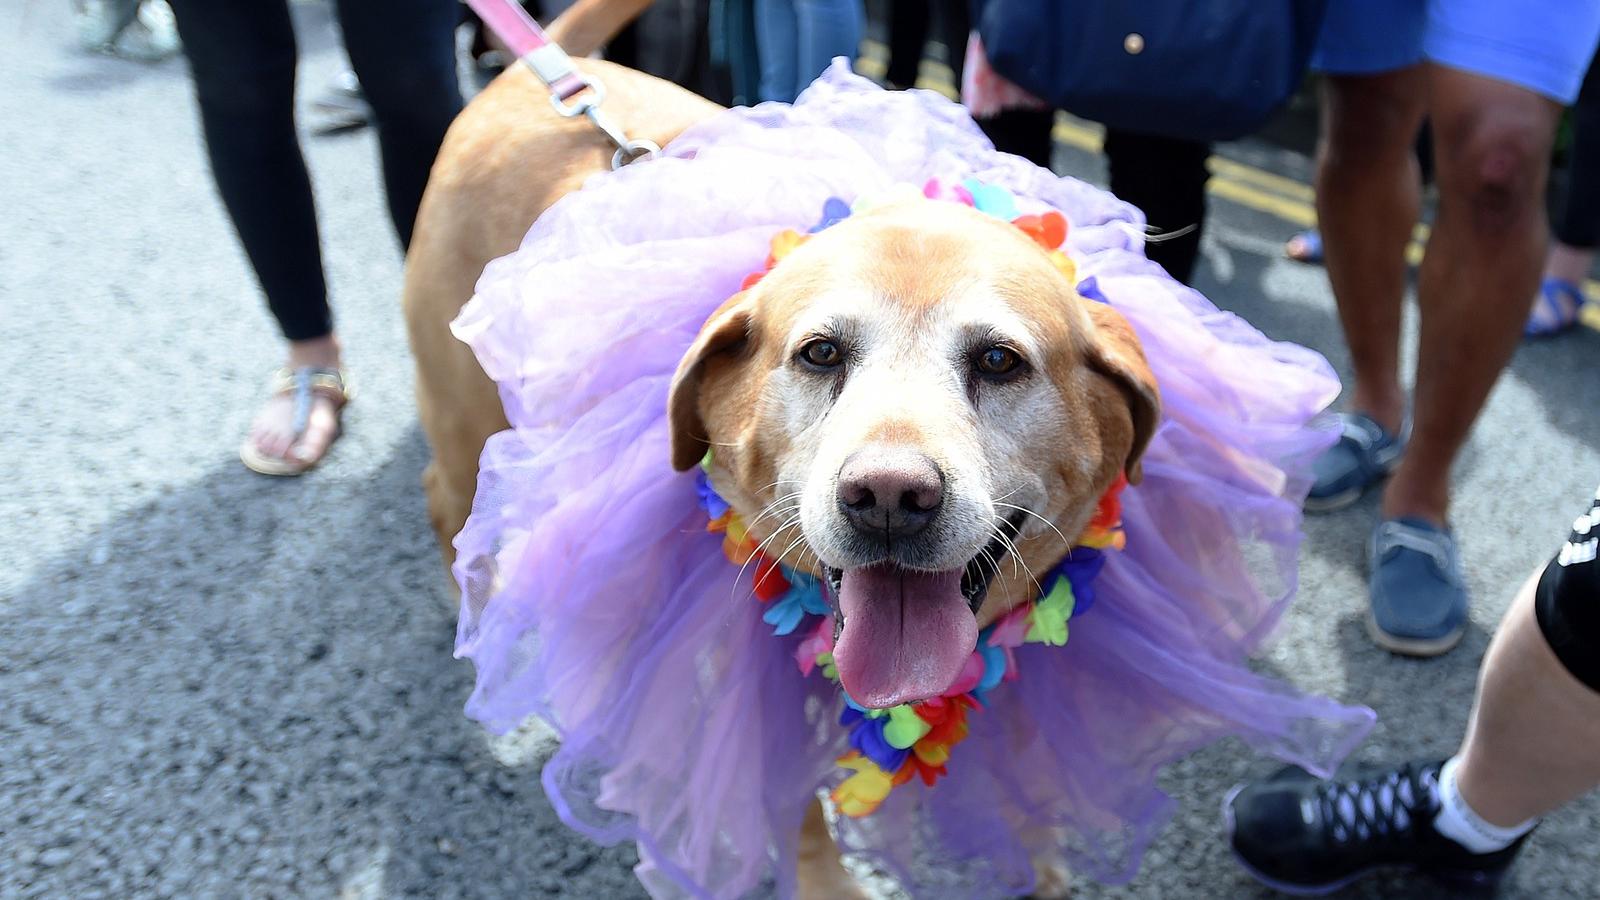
<point>1578,225</point>
<point>1164,177</point>
<point>909,22</point>
<point>242,56</point>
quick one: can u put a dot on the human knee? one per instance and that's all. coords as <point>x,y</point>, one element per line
<point>1370,122</point>
<point>1494,169</point>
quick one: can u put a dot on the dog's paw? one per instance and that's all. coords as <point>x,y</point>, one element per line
<point>1050,881</point>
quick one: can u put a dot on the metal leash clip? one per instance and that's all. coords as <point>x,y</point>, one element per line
<point>555,68</point>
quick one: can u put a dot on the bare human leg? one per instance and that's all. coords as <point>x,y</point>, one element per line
<point>1530,746</point>
<point>1368,197</point>
<point>1492,143</point>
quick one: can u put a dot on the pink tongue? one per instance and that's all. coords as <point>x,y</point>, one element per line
<point>906,634</point>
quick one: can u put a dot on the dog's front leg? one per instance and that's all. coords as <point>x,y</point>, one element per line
<point>822,875</point>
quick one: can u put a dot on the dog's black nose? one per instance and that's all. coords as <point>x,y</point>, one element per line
<point>890,493</point>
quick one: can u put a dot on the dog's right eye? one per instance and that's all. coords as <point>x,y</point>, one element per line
<point>822,354</point>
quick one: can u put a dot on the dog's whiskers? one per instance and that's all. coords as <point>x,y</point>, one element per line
<point>1016,556</point>
<point>791,546</point>
<point>1047,522</point>
<point>985,554</point>
<point>789,523</point>
<point>1011,547</point>
<point>774,507</point>
<point>778,482</point>
<point>1018,561</point>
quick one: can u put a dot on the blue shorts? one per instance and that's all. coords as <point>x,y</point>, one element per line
<point>1542,45</point>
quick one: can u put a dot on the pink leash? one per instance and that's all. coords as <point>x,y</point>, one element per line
<point>552,65</point>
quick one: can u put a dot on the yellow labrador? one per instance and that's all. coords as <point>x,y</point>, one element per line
<point>918,391</point>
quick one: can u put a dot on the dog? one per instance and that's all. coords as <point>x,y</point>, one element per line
<point>504,161</point>
<point>916,395</point>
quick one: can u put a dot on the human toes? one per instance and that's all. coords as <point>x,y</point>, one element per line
<point>321,428</point>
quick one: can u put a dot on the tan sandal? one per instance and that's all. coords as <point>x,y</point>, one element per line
<point>303,384</point>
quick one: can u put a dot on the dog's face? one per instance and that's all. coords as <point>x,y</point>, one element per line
<point>916,405</point>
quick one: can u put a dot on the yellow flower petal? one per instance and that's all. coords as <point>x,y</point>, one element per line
<point>1065,266</point>
<point>864,791</point>
<point>784,242</point>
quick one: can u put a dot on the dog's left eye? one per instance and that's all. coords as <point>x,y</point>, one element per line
<point>823,354</point>
<point>998,361</point>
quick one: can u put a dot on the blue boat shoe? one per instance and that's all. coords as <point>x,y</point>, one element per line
<point>1419,599</point>
<point>1364,455</point>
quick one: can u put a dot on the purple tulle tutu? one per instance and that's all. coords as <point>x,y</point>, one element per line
<point>593,597</point>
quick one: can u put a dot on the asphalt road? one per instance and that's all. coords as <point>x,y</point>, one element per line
<point>215,684</point>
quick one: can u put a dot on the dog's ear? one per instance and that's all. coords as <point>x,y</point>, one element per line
<point>1115,353</point>
<point>728,331</point>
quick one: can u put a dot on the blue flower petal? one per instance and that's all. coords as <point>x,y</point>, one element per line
<point>807,591</point>
<point>867,737</point>
<point>1089,289</point>
<point>710,500</point>
<point>784,615</point>
<point>833,212</point>
<point>994,667</point>
<point>992,199</point>
<point>1080,571</point>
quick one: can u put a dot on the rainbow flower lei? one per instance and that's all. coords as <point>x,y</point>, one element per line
<point>892,746</point>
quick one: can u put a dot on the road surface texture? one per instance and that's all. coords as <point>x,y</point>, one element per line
<point>215,684</point>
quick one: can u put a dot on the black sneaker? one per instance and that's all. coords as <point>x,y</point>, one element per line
<point>1304,836</point>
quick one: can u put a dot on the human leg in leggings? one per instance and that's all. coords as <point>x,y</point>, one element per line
<point>909,24</point>
<point>242,56</point>
<point>1166,178</point>
<point>1577,225</point>
<point>403,51</point>
<point>908,37</point>
<point>1022,132</point>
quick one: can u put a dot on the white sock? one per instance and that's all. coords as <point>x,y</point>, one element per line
<point>1460,823</point>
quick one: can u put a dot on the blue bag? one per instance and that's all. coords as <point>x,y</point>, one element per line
<point>1191,69</point>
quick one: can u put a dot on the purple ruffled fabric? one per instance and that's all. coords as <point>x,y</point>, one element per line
<point>593,597</point>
